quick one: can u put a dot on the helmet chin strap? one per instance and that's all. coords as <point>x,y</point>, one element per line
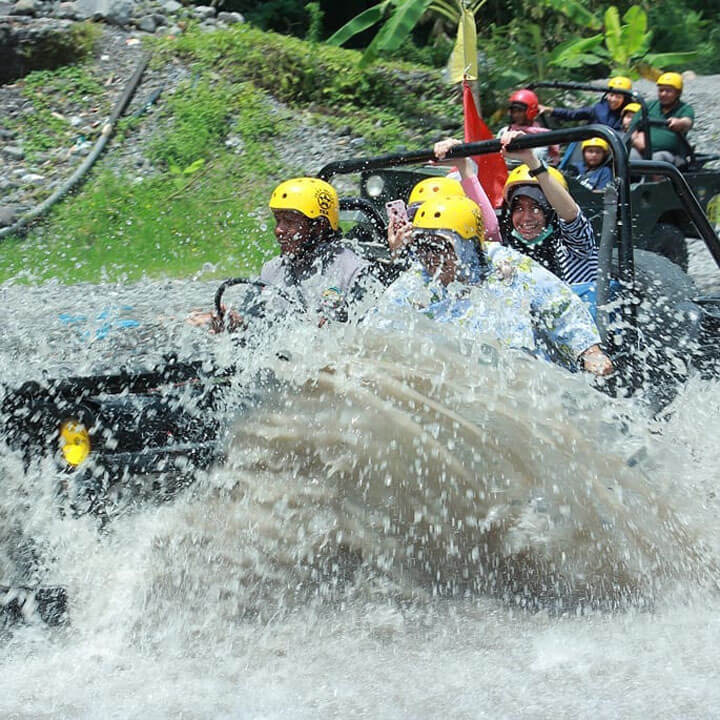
<point>544,235</point>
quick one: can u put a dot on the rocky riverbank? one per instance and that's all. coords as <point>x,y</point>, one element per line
<point>34,165</point>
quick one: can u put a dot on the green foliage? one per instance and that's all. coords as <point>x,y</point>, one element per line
<point>623,46</point>
<point>84,36</point>
<point>200,119</point>
<point>73,81</point>
<point>433,54</point>
<point>577,12</point>
<point>401,17</point>
<point>44,129</point>
<point>450,9</point>
<point>116,228</point>
<point>314,32</point>
<point>672,20</point>
<point>300,73</point>
<point>364,21</point>
<point>202,114</point>
<point>208,205</point>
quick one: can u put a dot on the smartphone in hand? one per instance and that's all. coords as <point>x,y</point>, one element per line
<point>397,213</point>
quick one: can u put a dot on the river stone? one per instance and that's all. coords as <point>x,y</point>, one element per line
<point>13,152</point>
<point>115,12</point>
<point>230,18</point>
<point>5,8</point>
<point>171,6</point>
<point>9,214</point>
<point>147,24</point>
<point>65,10</point>
<point>24,7</point>
<point>32,179</point>
<point>204,12</point>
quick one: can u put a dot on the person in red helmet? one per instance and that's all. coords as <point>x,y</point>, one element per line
<point>523,108</point>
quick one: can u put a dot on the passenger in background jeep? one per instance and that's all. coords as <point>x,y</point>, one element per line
<point>607,112</point>
<point>666,142</point>
<point>523,108</point>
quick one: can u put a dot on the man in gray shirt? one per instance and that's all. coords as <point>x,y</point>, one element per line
<point>313,268</point>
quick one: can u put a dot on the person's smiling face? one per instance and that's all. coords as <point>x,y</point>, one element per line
<point>615,100</point>
<point>528,217</point>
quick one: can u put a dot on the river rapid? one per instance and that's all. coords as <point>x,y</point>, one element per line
<point>406,525</point>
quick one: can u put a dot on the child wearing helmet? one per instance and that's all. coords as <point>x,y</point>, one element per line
<point>594,172</point>
<point>667,143</point>
<point>541,219</point>
<point>312,265</point>
<point>523,108</point>
<point>606,112</point>
<point>628,113</point>
<point>488,289</point>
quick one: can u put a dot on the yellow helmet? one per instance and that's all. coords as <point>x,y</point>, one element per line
<point>671,78</point>
<point>309,196</point>
<point>458,214</point>
<point>596,142</point>
<point>435,187</point>
<point>632,107</point>
<point>619,82</point>
<point>521,176</point>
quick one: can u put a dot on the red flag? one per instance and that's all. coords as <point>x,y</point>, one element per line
<point>492,171</point>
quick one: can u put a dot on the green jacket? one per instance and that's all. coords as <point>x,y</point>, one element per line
<point>663,138</point>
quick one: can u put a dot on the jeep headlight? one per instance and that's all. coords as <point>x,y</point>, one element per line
<point>374,185</point>
<point>74,442</point>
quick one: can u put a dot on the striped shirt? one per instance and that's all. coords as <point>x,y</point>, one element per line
<point>576,250</point>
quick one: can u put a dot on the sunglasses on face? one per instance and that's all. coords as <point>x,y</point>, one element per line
<point>426,243</point>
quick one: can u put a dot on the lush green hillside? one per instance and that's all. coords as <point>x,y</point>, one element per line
<point>202,209</point>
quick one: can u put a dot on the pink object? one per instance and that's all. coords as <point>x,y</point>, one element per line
<point>474,190</point>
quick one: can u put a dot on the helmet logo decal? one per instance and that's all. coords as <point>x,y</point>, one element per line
<point>324,201</point>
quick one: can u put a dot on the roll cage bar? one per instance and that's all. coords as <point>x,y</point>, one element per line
<point>620,231</point>
<point>631,95</point>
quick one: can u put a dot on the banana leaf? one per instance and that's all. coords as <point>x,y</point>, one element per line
<point>574,53</point>
<point>401,23</point>
<point>359,23</point>
<point>670,58</point>
<point>448,9</point>
<point>635,36</point>
<point>396,29</point>
<point>576,12</point>
<point>613,36</point>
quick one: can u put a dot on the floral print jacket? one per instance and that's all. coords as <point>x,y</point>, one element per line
<point>518,303</point>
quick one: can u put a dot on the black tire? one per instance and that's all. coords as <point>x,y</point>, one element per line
<point>669,241</point>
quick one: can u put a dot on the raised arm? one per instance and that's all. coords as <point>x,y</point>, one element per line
<point>471,185</point>
<point>561,200</point>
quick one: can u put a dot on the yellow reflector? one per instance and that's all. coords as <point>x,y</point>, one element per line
<point>74,442</point>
